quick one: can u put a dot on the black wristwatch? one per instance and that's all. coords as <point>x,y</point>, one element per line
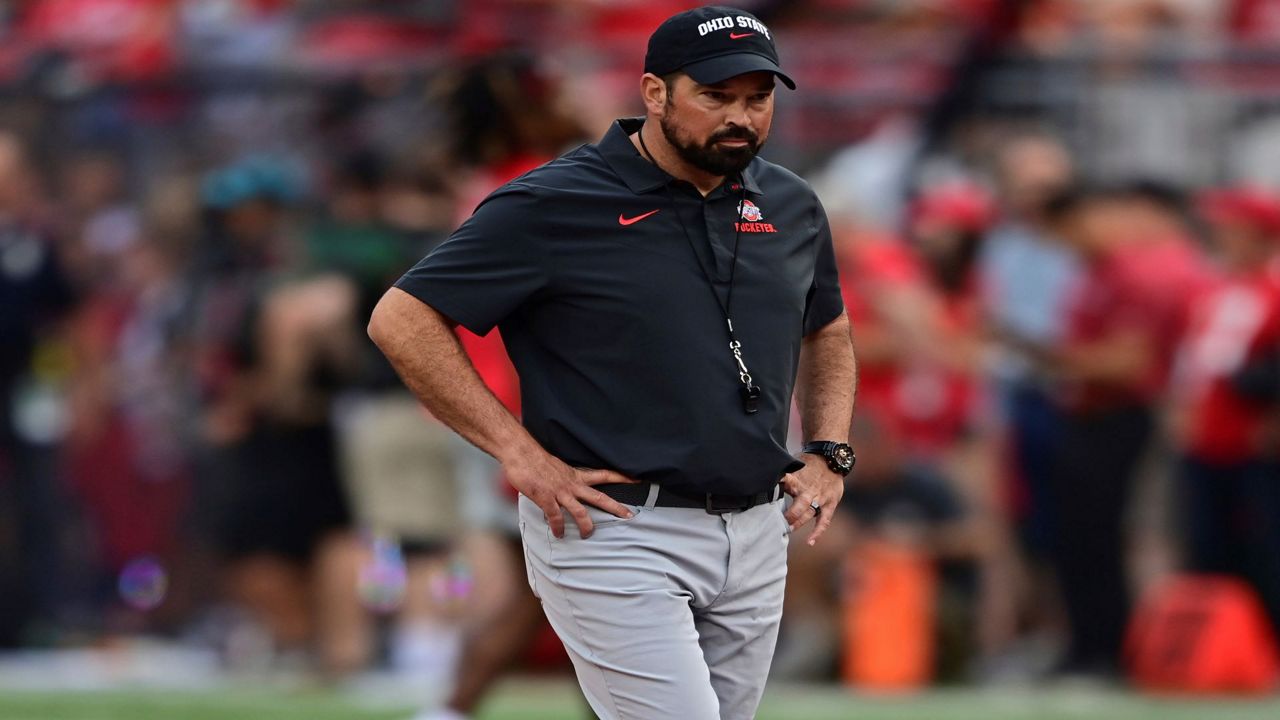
<point>840,457</point>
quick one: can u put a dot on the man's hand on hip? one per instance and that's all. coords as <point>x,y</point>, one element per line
<point>552,485</point>
<point>815,484</point>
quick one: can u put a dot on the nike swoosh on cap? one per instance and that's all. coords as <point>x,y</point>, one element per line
<point>633,220</point>
<point>735,36</point>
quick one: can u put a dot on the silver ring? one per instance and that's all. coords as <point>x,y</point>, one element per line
<point>816,507</point>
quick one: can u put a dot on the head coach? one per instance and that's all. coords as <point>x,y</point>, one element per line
<point>661,293</point>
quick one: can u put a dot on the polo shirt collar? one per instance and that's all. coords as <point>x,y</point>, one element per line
<point>636,171</point>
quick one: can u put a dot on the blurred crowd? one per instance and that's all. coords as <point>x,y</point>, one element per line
<point>1067,321</point>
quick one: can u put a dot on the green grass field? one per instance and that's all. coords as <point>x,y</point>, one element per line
<point>554,700</point>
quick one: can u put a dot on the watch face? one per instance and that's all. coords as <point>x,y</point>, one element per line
<point>843,456</point>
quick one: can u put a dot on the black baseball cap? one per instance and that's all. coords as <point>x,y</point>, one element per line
<point>712,44</point>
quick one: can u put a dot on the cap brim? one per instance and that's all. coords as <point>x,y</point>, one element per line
<point>719,69</point>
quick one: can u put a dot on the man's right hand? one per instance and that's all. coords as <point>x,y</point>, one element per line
<point>553,485</point>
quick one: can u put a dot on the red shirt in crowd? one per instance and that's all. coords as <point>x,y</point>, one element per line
<point>1110,299</point>
<point>1230,324</point>
<point>1169,272</point>
<point>116,39</point>
<point>924,403</point>
<point>870,269</point>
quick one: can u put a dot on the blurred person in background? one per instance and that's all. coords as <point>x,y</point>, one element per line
<point>268,356</point>
<point>1027,275</point>
<point>937,391</point>
<point>916,304</point>
<point>396,462</point>
<point>1225,422</point>
<point>1171,270</point>
<point>35,296</point>
<point>126,452</point>
<point>946,402</point>
<point>1111,373</point>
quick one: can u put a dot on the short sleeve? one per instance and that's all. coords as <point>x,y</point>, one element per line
<point>824,302</point>
<point>489,266</point>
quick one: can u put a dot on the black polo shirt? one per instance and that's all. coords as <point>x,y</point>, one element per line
<point>622,350</point>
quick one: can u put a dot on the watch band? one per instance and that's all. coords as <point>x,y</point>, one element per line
<point>820,447</point>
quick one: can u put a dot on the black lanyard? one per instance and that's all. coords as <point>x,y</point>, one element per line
<point>750,392</point>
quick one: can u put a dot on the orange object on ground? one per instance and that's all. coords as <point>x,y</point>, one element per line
<point>889,609</point>
<point>1202,634</point>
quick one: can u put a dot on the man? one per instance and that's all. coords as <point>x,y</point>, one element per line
<point>661,294</point>
<point>1224,422</point>
<point>1111,370</point>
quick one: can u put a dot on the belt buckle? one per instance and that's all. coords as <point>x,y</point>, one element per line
<point>719,504</point>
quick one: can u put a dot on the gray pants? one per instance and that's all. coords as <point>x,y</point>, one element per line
<point>671,614</point>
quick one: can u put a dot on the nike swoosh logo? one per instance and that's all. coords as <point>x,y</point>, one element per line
<point>735,36</point>
<point>631,221</point>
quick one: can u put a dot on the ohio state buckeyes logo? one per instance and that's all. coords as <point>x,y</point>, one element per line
<point>749,212</point>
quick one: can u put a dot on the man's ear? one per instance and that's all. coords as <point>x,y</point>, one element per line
<point>653,90</point>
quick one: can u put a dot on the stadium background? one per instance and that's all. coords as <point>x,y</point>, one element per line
<point>215,501</point>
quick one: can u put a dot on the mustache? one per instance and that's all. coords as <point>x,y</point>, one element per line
<point>736,133</point>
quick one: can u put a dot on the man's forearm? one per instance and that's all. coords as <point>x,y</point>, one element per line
<point>421,346</point>
<point>826,382</point>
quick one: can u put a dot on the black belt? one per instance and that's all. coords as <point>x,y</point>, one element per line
<point>715,503</point>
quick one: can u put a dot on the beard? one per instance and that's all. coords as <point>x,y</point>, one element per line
<point>710,158</point>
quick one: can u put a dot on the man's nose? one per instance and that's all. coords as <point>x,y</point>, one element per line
<point>738,116</point>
